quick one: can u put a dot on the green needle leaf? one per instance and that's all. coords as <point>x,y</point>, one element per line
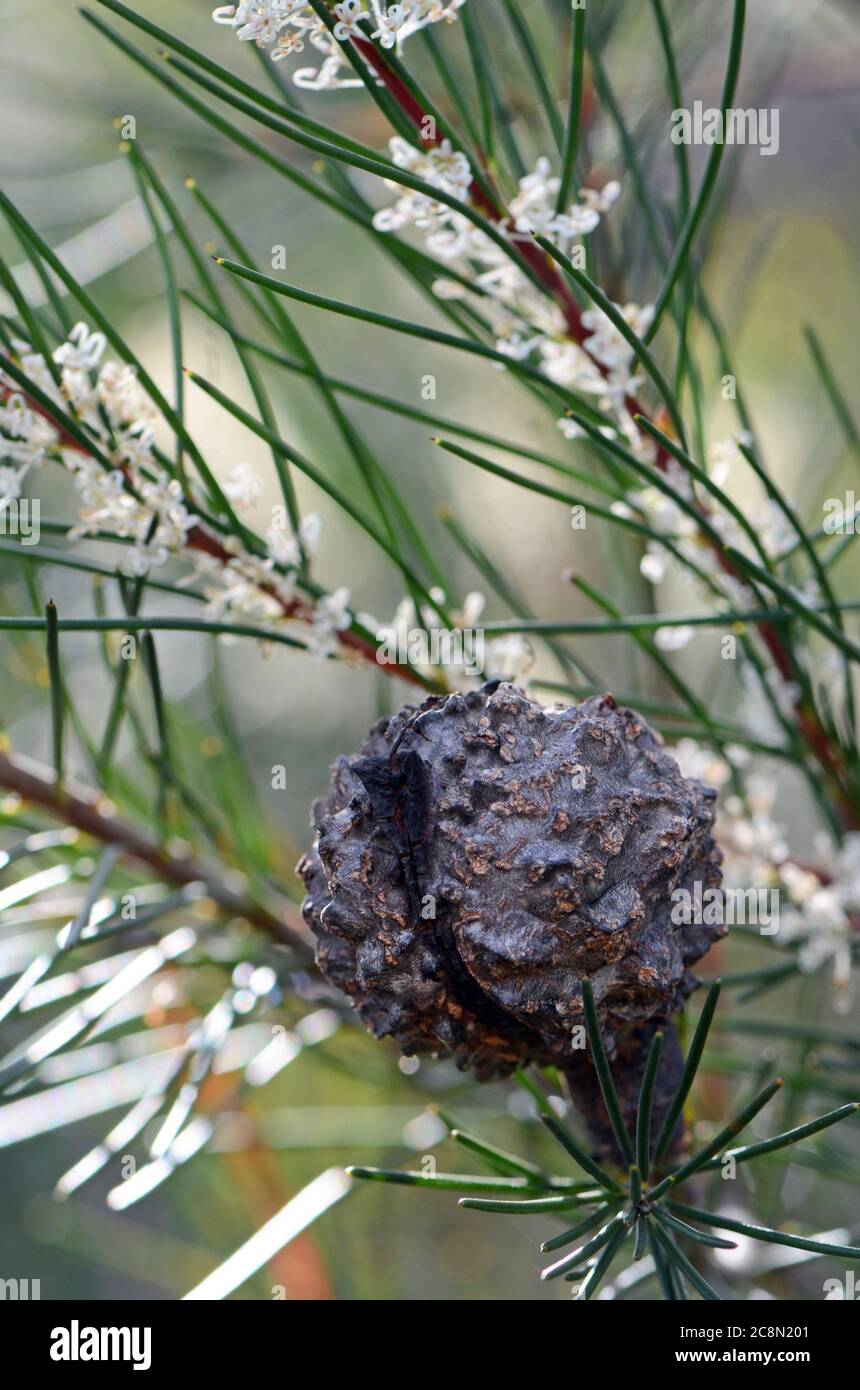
<point>763,1233</point>
<point>717,1144</point>
<point>790,1136</point>
<point>691,1066</point>
<point>588,1223</point>
<point>580,1155</point>
<point>544,489</point>
<point>592,1280</point>
<point>454,1182</point>
<point>482,82</point>
<point>170,287</point>
<point>574,109</point>
<point>673,86</point>
<point>689,1271</point>
<point>641,1237</point>
<point>835,396</point>
<point>635,1182</point>
<point>661,1264</point>
<point>504,1162</point>
<point>697,211</point>
<point>716,1242</point>
<point>58,699</point>
<point>529,1206</point>
<point>604,1075</point>
<point>576,1257</point>
<point>536,68</point>
<point>643,1113</point>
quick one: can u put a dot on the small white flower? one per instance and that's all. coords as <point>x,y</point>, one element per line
<point>601,202</point>
<point>82,350</point>
<point>445,288</point>
<point>622,509</point>
<point>10,483</point>
<point>331,615</point>
<point>654,563</point>
<point>283,548</point>
<point>570,429</point>
<point>473,606</point>
<point>348,13</point>
<point>134,449</point>
<point>286,45</point>
<point>509,657</point>
<point>389,23</point>
<point>674,639</point>
<point>242,486</point>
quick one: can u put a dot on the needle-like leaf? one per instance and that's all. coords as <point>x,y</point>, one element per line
<point>604,1075</point>
<point>688,1076</point>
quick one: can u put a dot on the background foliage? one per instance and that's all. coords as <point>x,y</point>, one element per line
<point>778,258</point>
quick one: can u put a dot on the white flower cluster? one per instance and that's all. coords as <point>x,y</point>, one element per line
<point>137,500</point>
<point>107,398</point>
<point>251,589</point>
<point>768,520</point>
<point>823,915</point>
<point>25,439</point>
<point>820,904</point>
<point>670,518</point>
<point>285,26</point>
<point>508,657</point>
<point>528,324</point>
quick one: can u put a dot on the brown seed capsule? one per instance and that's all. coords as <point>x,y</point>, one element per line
<point>481,854</point>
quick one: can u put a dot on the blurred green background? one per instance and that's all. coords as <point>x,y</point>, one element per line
<point>782,255</point>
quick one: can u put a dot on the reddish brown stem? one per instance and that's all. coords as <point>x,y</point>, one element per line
<point>485,197</point>
<point>90,812</point>
<point>203,541</point>
<point>199,538</point>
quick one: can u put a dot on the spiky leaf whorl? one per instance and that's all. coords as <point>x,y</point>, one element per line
<point>547,842</point>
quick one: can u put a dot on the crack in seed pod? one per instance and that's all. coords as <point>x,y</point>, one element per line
<point>551,841</point>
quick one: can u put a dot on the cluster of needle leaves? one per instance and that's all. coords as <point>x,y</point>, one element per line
<point>638,1205</point>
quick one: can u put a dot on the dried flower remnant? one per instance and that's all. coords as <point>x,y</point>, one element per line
<point>481,854</point>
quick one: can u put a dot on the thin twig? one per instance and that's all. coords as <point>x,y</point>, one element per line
<point>91,813</point>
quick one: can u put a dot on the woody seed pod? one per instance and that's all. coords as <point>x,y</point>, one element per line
<point>480,854</point>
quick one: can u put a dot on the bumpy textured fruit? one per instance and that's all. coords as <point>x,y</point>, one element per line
<point>480,854</point>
